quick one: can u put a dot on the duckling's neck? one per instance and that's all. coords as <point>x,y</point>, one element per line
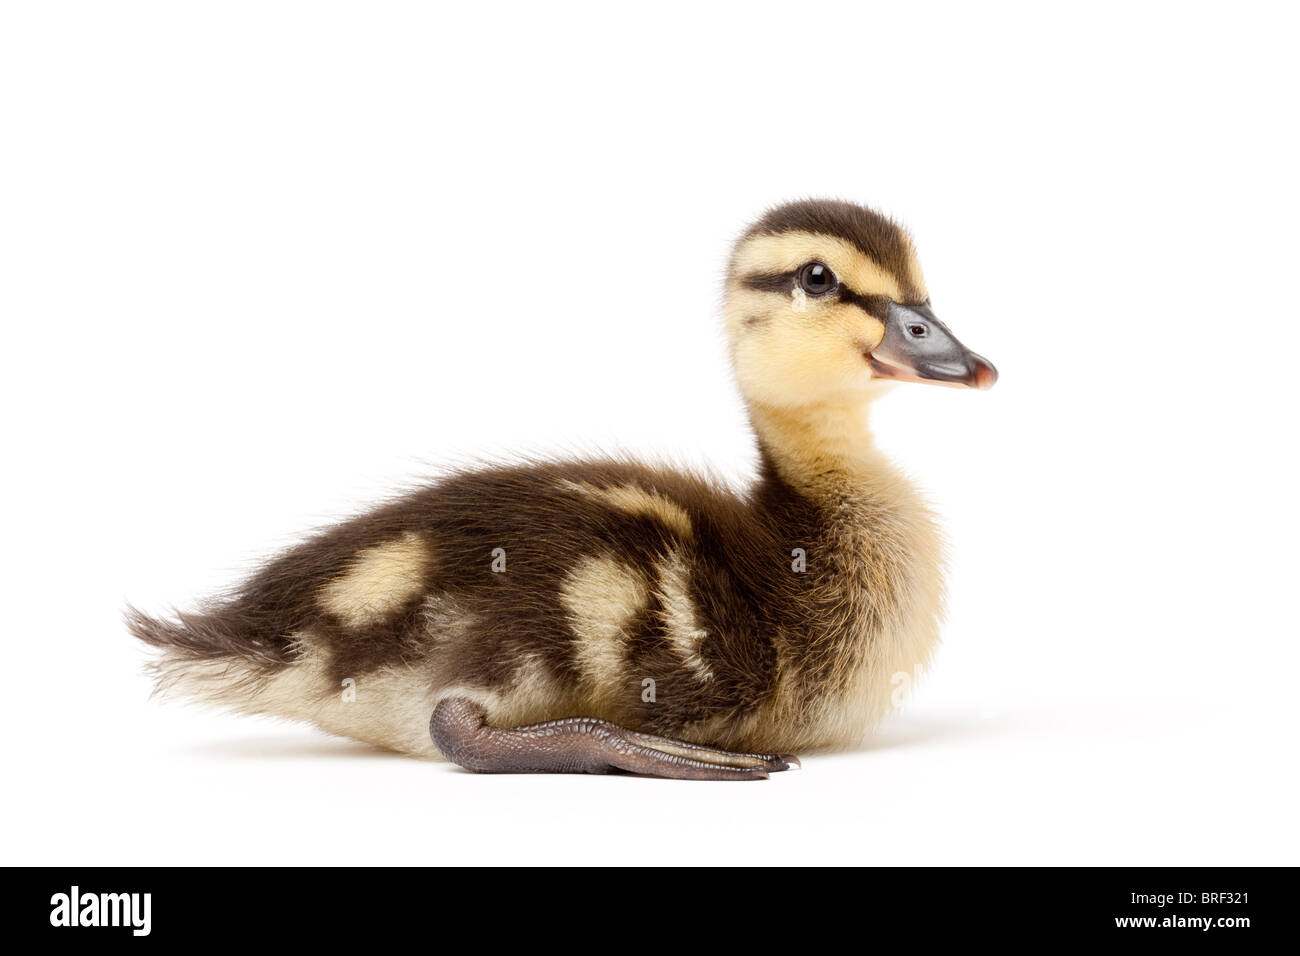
<point>820,450</point>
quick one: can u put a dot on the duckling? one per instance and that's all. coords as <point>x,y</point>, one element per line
<point>599,616</point>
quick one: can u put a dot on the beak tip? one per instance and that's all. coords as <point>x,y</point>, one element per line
<point>986,375</point>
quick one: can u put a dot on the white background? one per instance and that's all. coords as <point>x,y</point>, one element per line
<point>261,263</point>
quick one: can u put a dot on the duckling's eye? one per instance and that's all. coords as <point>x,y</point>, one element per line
<point>918,331</point>
<point>816,279</point>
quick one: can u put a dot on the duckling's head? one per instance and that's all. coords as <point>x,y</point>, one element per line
<point>826,302</point>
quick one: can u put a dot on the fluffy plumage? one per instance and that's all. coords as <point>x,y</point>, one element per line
<point>768,618</point>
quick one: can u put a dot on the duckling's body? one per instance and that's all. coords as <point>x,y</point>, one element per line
<point>618,599</point>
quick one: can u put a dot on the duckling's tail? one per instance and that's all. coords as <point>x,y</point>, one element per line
<point>204,636</point>
<point>215,655</point>
<point>224,656</point>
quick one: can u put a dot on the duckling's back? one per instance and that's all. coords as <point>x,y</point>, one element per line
<point>605,589</point>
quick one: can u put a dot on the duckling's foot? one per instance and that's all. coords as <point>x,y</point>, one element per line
<point>584,745</point>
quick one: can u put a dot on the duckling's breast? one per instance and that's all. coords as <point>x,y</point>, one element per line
<point>871,610</point>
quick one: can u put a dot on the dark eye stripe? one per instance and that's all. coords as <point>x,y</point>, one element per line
<point>784,282</point>
<point>771,282</point>
<point>874,305</point>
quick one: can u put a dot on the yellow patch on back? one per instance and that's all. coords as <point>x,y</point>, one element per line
<point>634,500</point>
<point>681,626</point>
<point>602,596</point>
<point>379,581</point>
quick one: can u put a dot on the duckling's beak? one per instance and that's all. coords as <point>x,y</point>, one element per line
<point>917,347</point>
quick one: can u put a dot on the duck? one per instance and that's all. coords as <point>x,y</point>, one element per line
<point>605,615</point>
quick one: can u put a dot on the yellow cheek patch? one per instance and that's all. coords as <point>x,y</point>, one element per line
<point>767,255</point>
<point>874,331</point>
<point>379,581</point>
<point>751,310</point>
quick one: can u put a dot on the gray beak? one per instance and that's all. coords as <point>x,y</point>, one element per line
<point>917,347</point>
